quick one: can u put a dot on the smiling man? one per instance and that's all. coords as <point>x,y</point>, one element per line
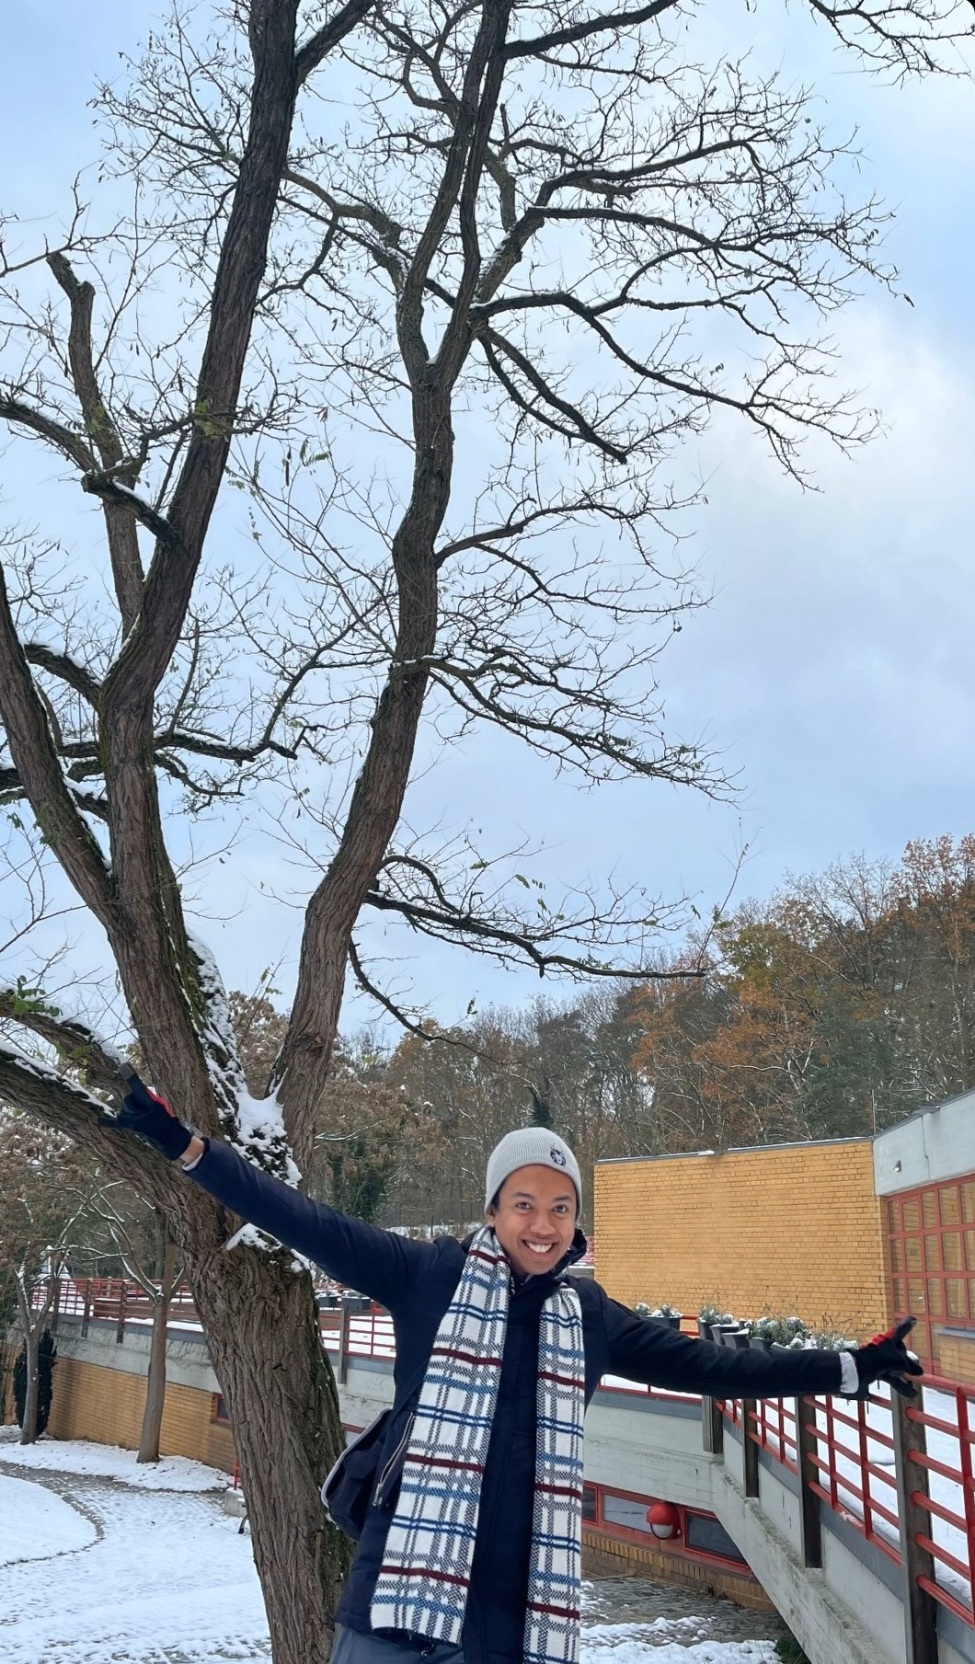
<point>470,1548</point>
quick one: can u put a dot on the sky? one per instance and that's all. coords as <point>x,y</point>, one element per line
<point>833,669</point>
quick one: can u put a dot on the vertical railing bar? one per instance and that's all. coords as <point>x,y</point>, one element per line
<point>343,1361</point>
<point>831,1454</point>
<point>807,1446</point>
<point>863,1441</point>
<point>965,1468</point>
<point>749,1445</point>
<point>920,1607</point>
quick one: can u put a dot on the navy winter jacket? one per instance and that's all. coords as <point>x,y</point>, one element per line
<point>416,1281</point>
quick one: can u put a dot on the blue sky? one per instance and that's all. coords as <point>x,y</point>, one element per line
<point>834,668</point>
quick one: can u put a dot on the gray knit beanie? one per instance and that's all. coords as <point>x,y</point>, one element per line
<point>530,1147</point>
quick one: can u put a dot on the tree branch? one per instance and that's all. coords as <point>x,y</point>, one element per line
<point>123,542</point>
<point>444,924</point>
<point>39,771</point>
<point>61,438</point>
<point>38,1090</point>
<point>75,1043</point>
<point>604,23</point>
<point>65,669</point>
<point>309,56</point>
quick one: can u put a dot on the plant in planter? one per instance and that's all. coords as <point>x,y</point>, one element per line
<point>664,1313</point>
<point>712,1317</point>
<point>831,1340</point>
<point>780,1331</point>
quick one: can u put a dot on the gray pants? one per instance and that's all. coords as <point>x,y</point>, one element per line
<point>352,1648</point>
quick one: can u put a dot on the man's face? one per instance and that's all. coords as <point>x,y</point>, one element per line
<point>535,1218</point>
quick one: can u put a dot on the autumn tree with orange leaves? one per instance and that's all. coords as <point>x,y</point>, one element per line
<point>842,1004</point>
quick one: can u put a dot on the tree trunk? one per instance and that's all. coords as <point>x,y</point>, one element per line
<point>156,1385</point>
<point>32,1338</point>
<point>265,1344</point>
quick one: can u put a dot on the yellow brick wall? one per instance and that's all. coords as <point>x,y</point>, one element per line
<point>956,1356</point>
<point>106,1405</point>
<point>782,1229</point>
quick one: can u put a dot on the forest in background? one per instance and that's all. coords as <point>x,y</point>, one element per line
<point>834,1009</point>
<point>840,1005</point>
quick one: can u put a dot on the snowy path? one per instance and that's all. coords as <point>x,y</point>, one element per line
<point>100,1565</point>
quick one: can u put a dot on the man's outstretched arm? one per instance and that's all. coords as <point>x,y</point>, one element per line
<point>642,1350</point>
<point>378,1263</point>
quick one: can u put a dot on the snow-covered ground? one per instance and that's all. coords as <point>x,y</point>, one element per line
<point>104,1562</point>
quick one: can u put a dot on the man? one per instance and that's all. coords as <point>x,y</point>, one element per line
<point>470,1549</point>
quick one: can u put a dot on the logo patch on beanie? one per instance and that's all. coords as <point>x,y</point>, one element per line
<point>557,1156</point>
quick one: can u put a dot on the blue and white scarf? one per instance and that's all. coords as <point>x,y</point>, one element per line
<point>425,1574</point>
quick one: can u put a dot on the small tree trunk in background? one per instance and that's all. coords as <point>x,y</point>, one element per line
<point>156,1385</point>
<point>28,1431</point>
<point>32,1324</point>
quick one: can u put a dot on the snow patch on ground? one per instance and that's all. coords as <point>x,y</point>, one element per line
<point>655,1644</point>
<point>34,1525</point>
<point>102,1461</point>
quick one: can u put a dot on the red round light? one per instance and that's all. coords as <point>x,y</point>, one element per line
<point>663,1519</point>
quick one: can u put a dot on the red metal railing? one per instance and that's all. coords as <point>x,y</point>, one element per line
<point>772,1425</point>
<point>854,1460</point>
<point>944,1423</point>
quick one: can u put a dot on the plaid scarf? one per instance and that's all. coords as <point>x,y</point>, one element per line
<point>425,1574</point>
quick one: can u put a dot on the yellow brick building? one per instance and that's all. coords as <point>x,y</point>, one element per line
<point>777,1230</point>
<point>106,1405</point>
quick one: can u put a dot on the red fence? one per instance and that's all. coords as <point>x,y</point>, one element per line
<point>851,1464</point>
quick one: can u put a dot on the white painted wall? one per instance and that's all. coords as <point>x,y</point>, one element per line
<point>935,1144</point>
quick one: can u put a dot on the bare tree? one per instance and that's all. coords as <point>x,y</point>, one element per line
<point>445,324</point>
<point>149,1257</point>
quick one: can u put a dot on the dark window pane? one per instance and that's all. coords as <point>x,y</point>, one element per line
<point>711,1537</point>
<point>589,1502</point>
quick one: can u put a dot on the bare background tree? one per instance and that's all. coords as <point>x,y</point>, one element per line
<point>441,291</point>
<point>137,1237</point>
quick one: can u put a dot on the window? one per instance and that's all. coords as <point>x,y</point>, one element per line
<point>932,1259</point>
<point>628,1511</point>
<point>708,1535</point>
<point>218,1410</point>
<point>625,1516</point>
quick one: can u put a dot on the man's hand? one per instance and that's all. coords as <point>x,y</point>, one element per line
<point>886,1358</point>
<point>150,1116</point>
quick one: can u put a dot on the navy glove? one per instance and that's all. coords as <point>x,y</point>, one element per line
<point>886,1358</point>
<point>150,1116</point>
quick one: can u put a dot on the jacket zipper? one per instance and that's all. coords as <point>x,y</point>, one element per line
<point>377,1496</point>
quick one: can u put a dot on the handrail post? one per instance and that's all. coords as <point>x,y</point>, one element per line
<point>56,1306</point>
<point>749,1446</point>
<point>343,1369</point>
<point>920,1608</point>
<point>807,1450</point>
<point>712,1426</point>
